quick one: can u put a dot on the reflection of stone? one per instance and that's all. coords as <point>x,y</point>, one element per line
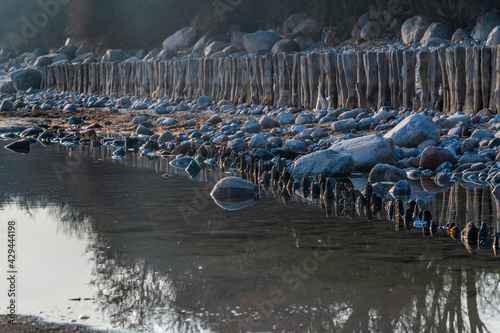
<point>429,185</point>
<point>20,146</point>
<point>233,193</point>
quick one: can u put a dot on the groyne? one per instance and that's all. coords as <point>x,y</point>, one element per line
<point>449,79</point>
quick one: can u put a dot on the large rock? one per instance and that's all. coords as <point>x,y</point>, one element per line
<point>181,40</point>
<point>432,157</point>
<point>386,173</point>
<point>258,141</point>
<point>234,193</point>
<point>116,55</point>
<point>367,151</point>
<point>308,27</point>
<point>297,146</point>
<point>260,40</point>
<point>494,37</point>
<point>414,130</point>
<point>325,162</point>
<point>437,30</point>
<point>215,47</point>
<point>371,30</point>
<point>7,87</point>
<point>251,126</point>
<point>414,29</point>
<point>26,78</point>
<point>238,145</point>
<point>485,25</point>
<point>285,46</point>
<point>344,126</point>
<point>293,21</point>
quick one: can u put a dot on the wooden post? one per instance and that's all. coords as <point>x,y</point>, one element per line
<point>361,81</point>
<point>460,75</point>
<point>349,62</point>
<point>408,74</point>
<point>371,69</point>
<point>423,78</point>
<point>383,73</point>
<point>485,76</point>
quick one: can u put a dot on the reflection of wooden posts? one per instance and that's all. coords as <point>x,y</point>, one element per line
<point>368,201</point>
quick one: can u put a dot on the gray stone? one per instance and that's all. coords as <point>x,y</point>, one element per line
<point>285,118</point>
<point>116,55</point>
<point>293,21</point>
<point>260,40</point>
<point>140,119</point>
<point>285,46</point>
<point>308,27</point>
<point>258,141</point>
<point>413,29</point>
<point>371,30</point>
<point>166,136</point>
<point>304,42</point>
<point>215,47</point>
<point>7,87</point>
<point>141,129</point>
<point>180,40</point>
<point>74,120</point>
<point>193,169</point>
<point>295,146</point>
<point>26,78</point>
<point>367,151</point>
<point>386,173</point>
<point>437,30</point>
<point>485,25</point>
<point>6,105</point>
<point>344,126</point>
<point>43,61</point>
<point>494,37</point>
<point>303,119</point>
<point>413,131</point>
<point>251,126</point>
<point>324,162</point>
<point>460,34</point>
<point>238,145</point>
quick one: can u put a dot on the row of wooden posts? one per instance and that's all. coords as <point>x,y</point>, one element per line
<point>449,79</point>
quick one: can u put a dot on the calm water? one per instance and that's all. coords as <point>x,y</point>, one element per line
<point>115,241</point>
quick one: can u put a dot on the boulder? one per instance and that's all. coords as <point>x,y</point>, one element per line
<point>485,25</point>
<point>285,46</point>
<point>6,105</point>
<point>386,173</point>
<point>215,47</point>
<point>141,129</point>
<point>166,54</point>
<point>237,40</point>
<point>43,61</point>
<point>251,126</point>
<point>180,40</point>
<point>413,29</point>
<point>304,42</point>
<point>292,22</point>
<point>166,136</point>
<point>258,141</point>
<point>26,78</point>
<point>371,30</point>
<point>116,55</point>
<point>268,122</point>
<point>7,87</point>
<point>494,37</point>
<point>308,28</point>
<point>260,40</point>
<point>367,151</point>
<point>324,162</point>
<point>285,118</point>
<point>437,30</point>
<point>238,145</point>
<point>460,34</point>
<point>433,157</point>
<point>414,130</point>
<point>344,126</point>
<point>295,146</point>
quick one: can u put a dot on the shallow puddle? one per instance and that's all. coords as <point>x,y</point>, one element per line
<point>116,242</point>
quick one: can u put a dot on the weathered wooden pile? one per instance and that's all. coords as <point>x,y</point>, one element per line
<point>450,79</point>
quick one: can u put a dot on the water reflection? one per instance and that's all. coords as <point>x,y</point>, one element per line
<point>167,261</point>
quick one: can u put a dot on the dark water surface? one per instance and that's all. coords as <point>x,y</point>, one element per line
<point>115,241</point>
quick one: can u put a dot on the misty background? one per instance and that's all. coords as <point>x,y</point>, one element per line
<point>130,24</point>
